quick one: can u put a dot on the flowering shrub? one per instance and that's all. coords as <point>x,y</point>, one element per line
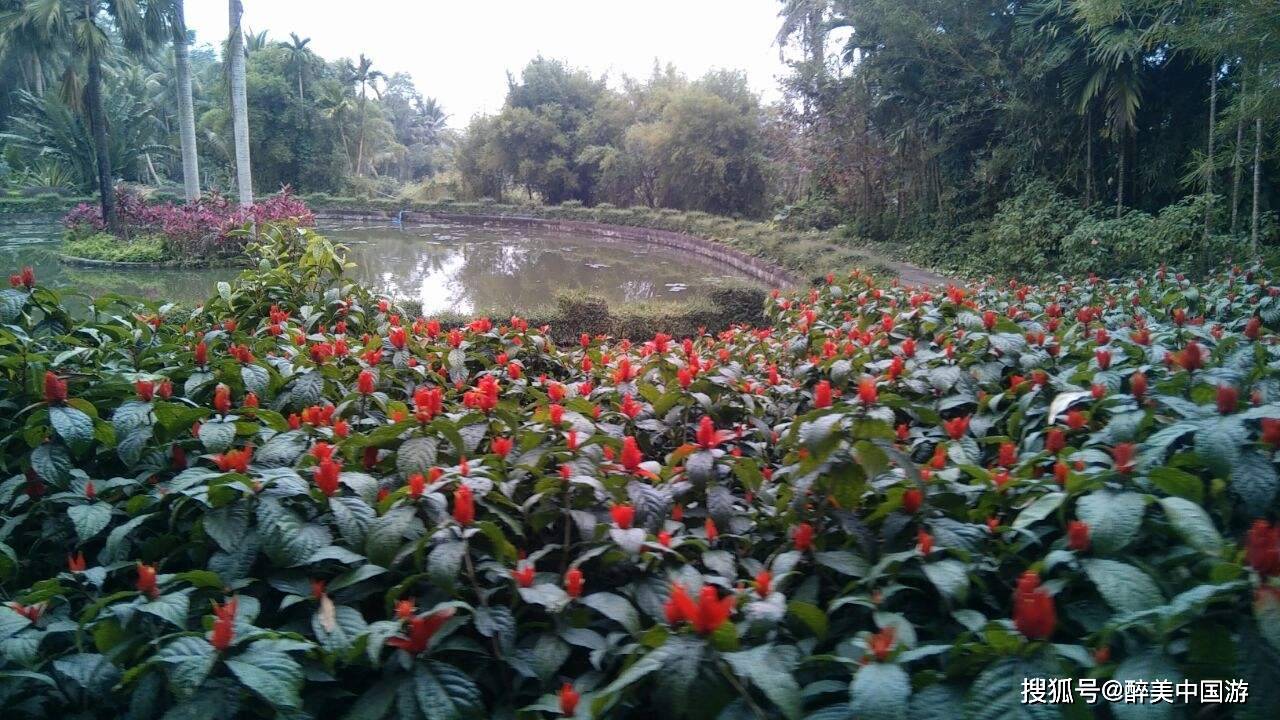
<point>208,227</point>
<point>890,503</point>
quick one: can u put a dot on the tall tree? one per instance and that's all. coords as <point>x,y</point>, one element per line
<point>239,102</point>
<point>299,53</point>
<point>364,76</point>
<point>74,25</point>
<point>186,106</point>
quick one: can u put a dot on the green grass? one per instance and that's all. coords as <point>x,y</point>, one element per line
<point>104,246</point>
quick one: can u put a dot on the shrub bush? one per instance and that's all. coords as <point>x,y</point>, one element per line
<point>211,227</point>
<point>105,246</point>
<point>886,503</point>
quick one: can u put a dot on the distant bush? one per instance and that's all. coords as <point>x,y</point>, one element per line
<point>202,229</point>
<point>105,246</point>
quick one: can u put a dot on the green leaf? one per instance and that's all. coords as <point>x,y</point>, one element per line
<point>189,660</point>
<point>1193,524</point>
<point>256,379</point>
<point>1038,510</point>
<point>444,563</point>
<point>1114,518</point>
<point>388,533</point>
<point>172,608</point>
<point>1178,483</point>
<point>843,562</point>
<point>1125,588</point>
<point>1253,480</point>
<point>444,692</point>
<point>338,633</point>
<point>11,621</point>
<point>769,668</point>
<point>227,524</point>
<point>614,607</point>
<point>282,450</point>
<point>270,673</point>
<point>416,455</point>
<point>1218,442</point>
<point>73,425</point>
<point>217,436</point>
<point>880,691</point>
<point>996,694</point>
<point>51,462</point>
<point>950,576</point>
<point>1148,666</point>
<point>89,520</point>
<point>11,304</point>
<point>811,615</point>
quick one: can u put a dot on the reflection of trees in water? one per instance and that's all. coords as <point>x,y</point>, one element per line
<point>496,269</point>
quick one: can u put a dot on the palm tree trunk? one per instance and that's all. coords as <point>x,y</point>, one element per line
<point>1120,176</point>
<point>1209,166</point>
<point>37,72</point>
<point>1237,171</point>
<point>360,137</point>
<point>1088,159</point>
<point>186,108</point>
<point>102,152</point>
<point>239,103</point>
<point>1257,182</point>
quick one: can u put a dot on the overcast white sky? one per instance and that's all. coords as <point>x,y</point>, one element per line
<point>459,51</point>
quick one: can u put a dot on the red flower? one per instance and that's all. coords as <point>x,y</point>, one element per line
<point>1103,357</point>
<point>924,542</point>
<point>1138,384</point>
<point>1008,454</point>
<point>956,427</point>
<point>55,389</point>
<point>146,389</point>
<point>147,581</point>
<point>882,643</point>
<point>1033,611</point>
<point>76,563</point>
<point>234,460</point>
<point>822,395</point>
<point>28,277</point>
<point>802,538</point>
<point>1262,548</point>
<point>631,456</point>
<point>708,436</point>
<point>555,413</point>
<point>464,505</point>
<point>1060,471</point>
<point>763,583</point>
<point>224,625</point>
<point>1122,455</point>
<point>501,446</point>
<point>1191,357</point>
<point>706,615</point>
<point>573,582</point>
<point>867,393</point>
<point>1076,419</point>
<point>1228,399</point>
<point>1271,431</point>
<point>1055,440</point>
<point>524,575</point>
<point>1253,328</point>
<point>222,399</point>
<point>568,700</point>
<point>664,538</point>
<point>912,499</point>
<point>709,527</point>
<point>421,630</point>
<point>417,483</point>
<point>318,588</point>
<point>1078,535</point>
<point>327,475</point>
<point>251,400</point>
<point>623,515</point>
<point>366,382</point>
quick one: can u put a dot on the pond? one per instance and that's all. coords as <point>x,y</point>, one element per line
<point>446,266</point>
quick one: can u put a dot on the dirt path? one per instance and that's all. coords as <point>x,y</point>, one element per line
<point>913,274</point>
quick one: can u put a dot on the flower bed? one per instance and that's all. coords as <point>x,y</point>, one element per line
<point>886,504</point>
<point>209,228</point>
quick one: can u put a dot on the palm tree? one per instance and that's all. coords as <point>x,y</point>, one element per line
<point>186,108</point>
<point>73,24</point>
<point>335,104</point>
<point>298,56</point>
<point>365,76</point>
<point>239,102</point>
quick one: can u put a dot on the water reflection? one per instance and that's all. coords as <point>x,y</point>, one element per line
<point>445,266</point>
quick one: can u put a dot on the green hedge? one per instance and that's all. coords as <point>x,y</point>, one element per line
<point>44,203</point>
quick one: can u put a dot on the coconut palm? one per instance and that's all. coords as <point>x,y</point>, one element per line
<point>239,102</point>
<point>186,108</point>
<point>363,75</point>
<point>299,53</point>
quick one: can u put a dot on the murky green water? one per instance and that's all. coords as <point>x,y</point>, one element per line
<point>445,266</point>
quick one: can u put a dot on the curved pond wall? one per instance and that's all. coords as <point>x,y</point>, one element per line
<point>748,265</point>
